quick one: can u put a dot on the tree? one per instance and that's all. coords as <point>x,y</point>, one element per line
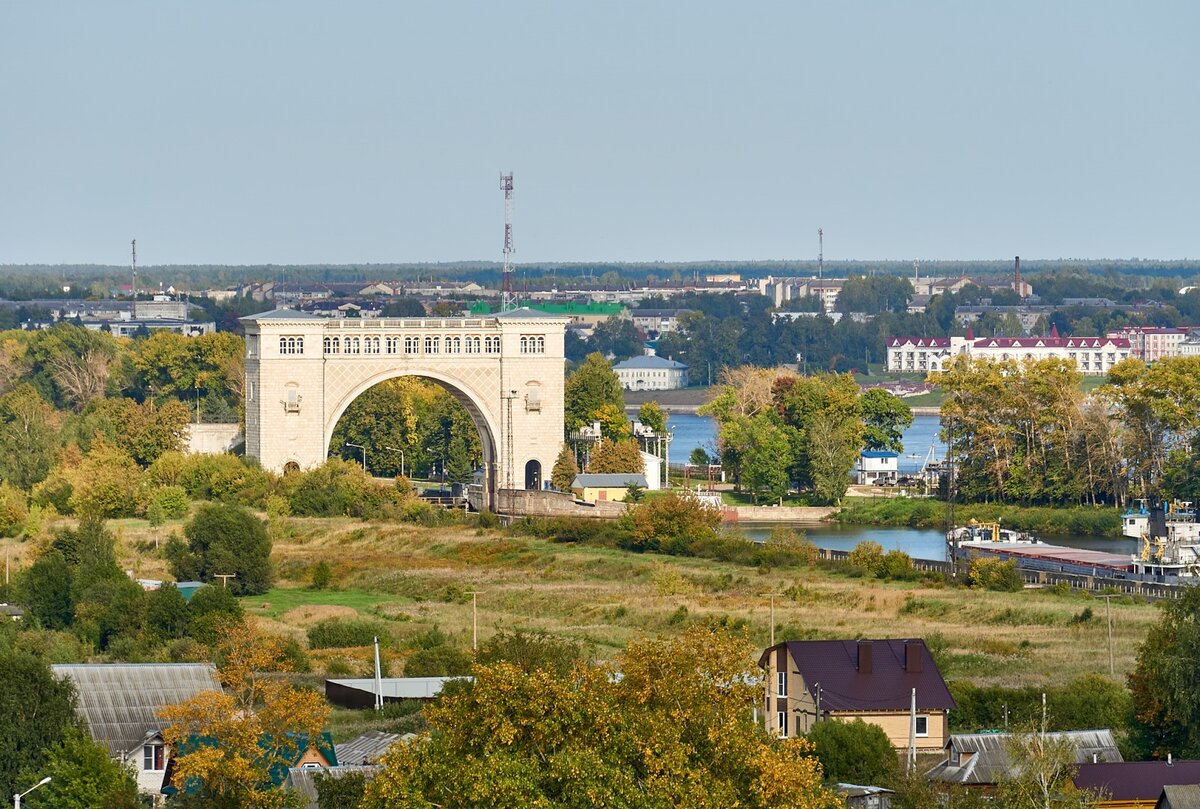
<point>36,711</point>
<point>652,415</point>
<point>229,539</point>
<point>885,417</point>
<point>853,752</point>
<point>1166,692</point>
<point>229,742</point>
<point>106,483</point>
<point>766,458</point>
<point>565,469</point>
<point>166,613</point>
<point>674,730</point>
<point>831,455</point>
<point>672,524</point>
<point>589,387</point>
<point>47,592</point>
<point>615,457</point>
<point>699,457</point>
<point>617,336</point>
<point>1041,772</point>
<point>533,650</point>
<point>28,437</point>
<point>83,776</point>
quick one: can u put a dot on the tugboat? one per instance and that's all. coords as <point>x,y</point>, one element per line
<point>1170,541</point>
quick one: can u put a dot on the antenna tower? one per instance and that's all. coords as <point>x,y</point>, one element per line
<point>820,253</point>
<point>133,270</point>
<point>506,301</point>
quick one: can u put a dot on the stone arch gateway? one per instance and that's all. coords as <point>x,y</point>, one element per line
<point>303,371</point>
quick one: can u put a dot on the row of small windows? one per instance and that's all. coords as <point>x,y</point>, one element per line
<point>291,345</point>
<point>470,344</point>
<point>533,345</point>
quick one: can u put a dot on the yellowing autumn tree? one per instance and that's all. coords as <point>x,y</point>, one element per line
<point>226,743</point>
<point>674,729</point>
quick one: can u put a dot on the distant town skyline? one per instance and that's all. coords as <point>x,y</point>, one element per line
<point>372,132</point>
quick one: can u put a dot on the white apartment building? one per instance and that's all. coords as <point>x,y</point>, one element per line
<point>1150,343</point>
<point>1092,355</point>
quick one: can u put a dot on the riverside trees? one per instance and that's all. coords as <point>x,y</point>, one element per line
<point>776,428</point>
<point>1024,432</point>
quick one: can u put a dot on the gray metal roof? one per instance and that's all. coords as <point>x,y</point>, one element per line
<point>608,480</point>
<point>982,758</point>
<point>401,687</point>
<point>1183,796</point>
<point>303,780</point>
<point>120,701</point>
<point>282,314</point>
<point>525,313</point>
<point>368,748</point>
<point>649,362</point>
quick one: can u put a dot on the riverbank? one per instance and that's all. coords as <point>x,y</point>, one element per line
<point>926,513</point>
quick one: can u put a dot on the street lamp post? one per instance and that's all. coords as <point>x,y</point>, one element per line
<point>17,797</point>
<point>364,454</point>
<point>393,449</point>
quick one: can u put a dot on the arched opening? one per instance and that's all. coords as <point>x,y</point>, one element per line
<point>533,475</point>
<point>291,467</point>
<point>426,429</point>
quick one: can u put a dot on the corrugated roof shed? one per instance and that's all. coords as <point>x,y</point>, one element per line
<point>368,748</point>
<point>982,758</point>
<point>303,780</point>
<point>120,701</point>
<point>1136,780</point>
<point>1181,796</point>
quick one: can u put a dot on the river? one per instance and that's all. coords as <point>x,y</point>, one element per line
<point>691,431</point>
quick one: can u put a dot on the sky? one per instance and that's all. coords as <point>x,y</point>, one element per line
<point>246,132</point>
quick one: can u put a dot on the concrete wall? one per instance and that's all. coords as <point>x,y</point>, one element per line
<point>801,514</point>
<point>525,503</point>
<point>213,439</point>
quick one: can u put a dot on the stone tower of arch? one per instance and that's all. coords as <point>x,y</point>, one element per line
<point>303,371</point>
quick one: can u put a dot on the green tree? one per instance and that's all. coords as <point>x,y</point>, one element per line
<point>565,469</point>
<point>672,524</point>
<point>533,650</point>
<point>618,337</point>
<point>885,417</point>
<point>766,458</point>
<point>229,539</point>
<point>106,483</point>
<point>83,776</point>
<point>653,416</point>
<point>853,752</point>
<point>28,437</point>
<point>1041,773</point>
<point>166,613</point>
<point>674,730</point>
<point>36,711</point>
<point>46,591</point>
<point>589,387</point>
<point>699,457</point>
<point>1166,692</point>
<point>831,454</point>
<point>340,791</point>
<point>614,457</point>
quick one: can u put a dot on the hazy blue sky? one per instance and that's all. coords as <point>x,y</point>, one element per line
<point>247,132</point>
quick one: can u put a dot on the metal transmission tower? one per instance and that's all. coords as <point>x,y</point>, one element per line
<point>820,253</point>
<point>133,270</point>
<point>506,301</point>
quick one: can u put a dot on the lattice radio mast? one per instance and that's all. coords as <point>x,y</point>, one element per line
<point>820,253</point>
<point>506,301</point>
<point>133,270</point>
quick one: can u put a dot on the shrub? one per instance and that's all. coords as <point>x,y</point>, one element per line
<point>339,633</point>
<point>533,651</point>
<point>223,539</point>
<point>322,575</point>
<point>444,660</point>
<point>672,524</point>
<point>172,501</point>
<point>990,573</point>
<point>867,556</point>
<point>853,752</point>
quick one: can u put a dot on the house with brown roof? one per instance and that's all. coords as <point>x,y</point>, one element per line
<point>1136,784</point>
<point>983,760</point>
<point>808,681</point>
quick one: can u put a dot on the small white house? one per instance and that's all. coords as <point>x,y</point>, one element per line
<point>653,467</point>
<point>878,466</point>
<point>651,373</point>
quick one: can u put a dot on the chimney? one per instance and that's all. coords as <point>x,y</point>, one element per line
<point>864,657</point>
<point>914,661</point>
<point>1170,760</point>
<point>1017,273</point>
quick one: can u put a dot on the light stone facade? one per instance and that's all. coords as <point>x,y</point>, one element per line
<point>303,371</point>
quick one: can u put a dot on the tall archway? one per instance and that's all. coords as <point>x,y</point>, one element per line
<point>479,419</point>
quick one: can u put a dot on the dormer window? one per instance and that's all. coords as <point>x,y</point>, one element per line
<point>153,758</point>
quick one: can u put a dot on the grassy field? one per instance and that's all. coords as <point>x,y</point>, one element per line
<point>413,579</point>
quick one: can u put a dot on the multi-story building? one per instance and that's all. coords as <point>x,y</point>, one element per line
<point>654,322</point>
<point>1150,343</point>
<point>651,373</point>
<point>1092,355</point>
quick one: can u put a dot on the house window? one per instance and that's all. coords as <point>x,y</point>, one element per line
<point>411,345</point>
<point>922,725</point>
<point>391,344</point>
<point>152,757</point>
<point>781,720</point>
<point>291,345</point>
<point>250,391</point>
<point>781,688</point>
<point>453,345</point>
<point>431,345</point>
<point>352,345</point>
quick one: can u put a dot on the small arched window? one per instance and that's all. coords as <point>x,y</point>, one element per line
<point>390,344</point>
<point>411,345</point>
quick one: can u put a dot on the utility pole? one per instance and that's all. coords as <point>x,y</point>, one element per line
<point>474,621</point>
<point>1108,609</point>
<point>912,734</point>
<point>772,596</point>
<point>225,577</point>
<point>378,678</point>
